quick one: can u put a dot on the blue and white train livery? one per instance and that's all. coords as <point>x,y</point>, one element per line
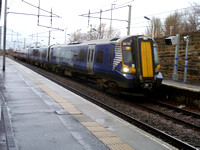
<point>116,65</point>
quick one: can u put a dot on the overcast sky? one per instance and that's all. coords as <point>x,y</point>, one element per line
<point>70,20</point>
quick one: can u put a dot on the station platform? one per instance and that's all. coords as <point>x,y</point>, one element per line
<point>188,86</point>
<point>39,114</point>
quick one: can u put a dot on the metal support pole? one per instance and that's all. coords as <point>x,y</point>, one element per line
<point>0,8</point>
<point>24,43</point>
<point>17,40</point>
<point>186,59</point>
<point>4,36</point>
<point>0,36</point>
<point>171,28</point>
<point>111,19</point>
<point>153,34</point>
<point>49,42</point>
<point>65,36</point>
<point>39,13</point>
<point>129,20</point>
<point>100,24</point>
<point>175,73</point>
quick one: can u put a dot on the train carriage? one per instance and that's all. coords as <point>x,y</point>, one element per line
<point>115,64</point>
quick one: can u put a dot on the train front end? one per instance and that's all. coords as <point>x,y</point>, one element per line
<point>140,62</point>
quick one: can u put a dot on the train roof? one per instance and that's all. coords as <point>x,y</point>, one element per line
<point>111,40</point>
<point>101,41</point>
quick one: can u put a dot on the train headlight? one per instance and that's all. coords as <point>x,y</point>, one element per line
<point>126,70</point>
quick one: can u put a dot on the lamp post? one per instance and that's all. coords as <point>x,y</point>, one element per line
<point>49,41</point>
<point>145,17</point>
<point>4,36</point>
<point>111,18</point>
<point>129,20</point>
<point>65,35</point>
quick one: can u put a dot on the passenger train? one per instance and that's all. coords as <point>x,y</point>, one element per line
<point>116,65</point>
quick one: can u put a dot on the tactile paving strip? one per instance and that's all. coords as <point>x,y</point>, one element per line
<point>107,137</point>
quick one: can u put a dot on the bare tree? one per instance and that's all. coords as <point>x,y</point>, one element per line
<point>107,32</point>
<point>100,33</point>
<point>155,28</point>
<point>77,36</point>
<point>103,33</point>
<point>101,30</point>
<point>191,19</point>
<point>174,24</point>
<point>112,33</point>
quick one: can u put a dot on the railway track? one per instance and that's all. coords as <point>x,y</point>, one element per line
<point>159,133</point>
<point>184,117</point>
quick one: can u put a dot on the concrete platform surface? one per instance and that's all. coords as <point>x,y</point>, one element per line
<point>44,115</point>
<point>193,87</point>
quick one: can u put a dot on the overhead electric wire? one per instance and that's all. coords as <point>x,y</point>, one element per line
<point>41,33</point>
<point>13,31</point>
<point>40,8</point>
<point>167,12</point>
<point>182,15</point>
<point>106,18</point>
<point>112,3</point>
<point>50,27</point>
<point>30,14</point>
<point>126,3</point>
<point>104,11</point>
<point>120,6</point>
<point>10,4</point>
<point>108,4</point>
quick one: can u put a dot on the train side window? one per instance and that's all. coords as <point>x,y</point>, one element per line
<point>43,52</point>
<point>53,55</point>
<point>92,55</point>
<point>111,56</point>
<point>99,57</point>
<point>89,55</point>
<point>35,52</point>
<point>82,56</point>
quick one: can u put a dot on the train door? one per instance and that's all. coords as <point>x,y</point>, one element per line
<point>146,59</point>
<point>90,58</point>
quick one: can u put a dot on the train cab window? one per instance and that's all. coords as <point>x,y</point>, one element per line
<point>82,56</point>
<point>127,55</point>
<point>99,57</point>
<point>155,51</point>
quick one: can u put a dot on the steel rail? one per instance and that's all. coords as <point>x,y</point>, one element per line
<point>171,117</point>
<point>197,115</point>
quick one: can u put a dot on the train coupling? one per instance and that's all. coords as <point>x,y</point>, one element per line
<point>147,85</point>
